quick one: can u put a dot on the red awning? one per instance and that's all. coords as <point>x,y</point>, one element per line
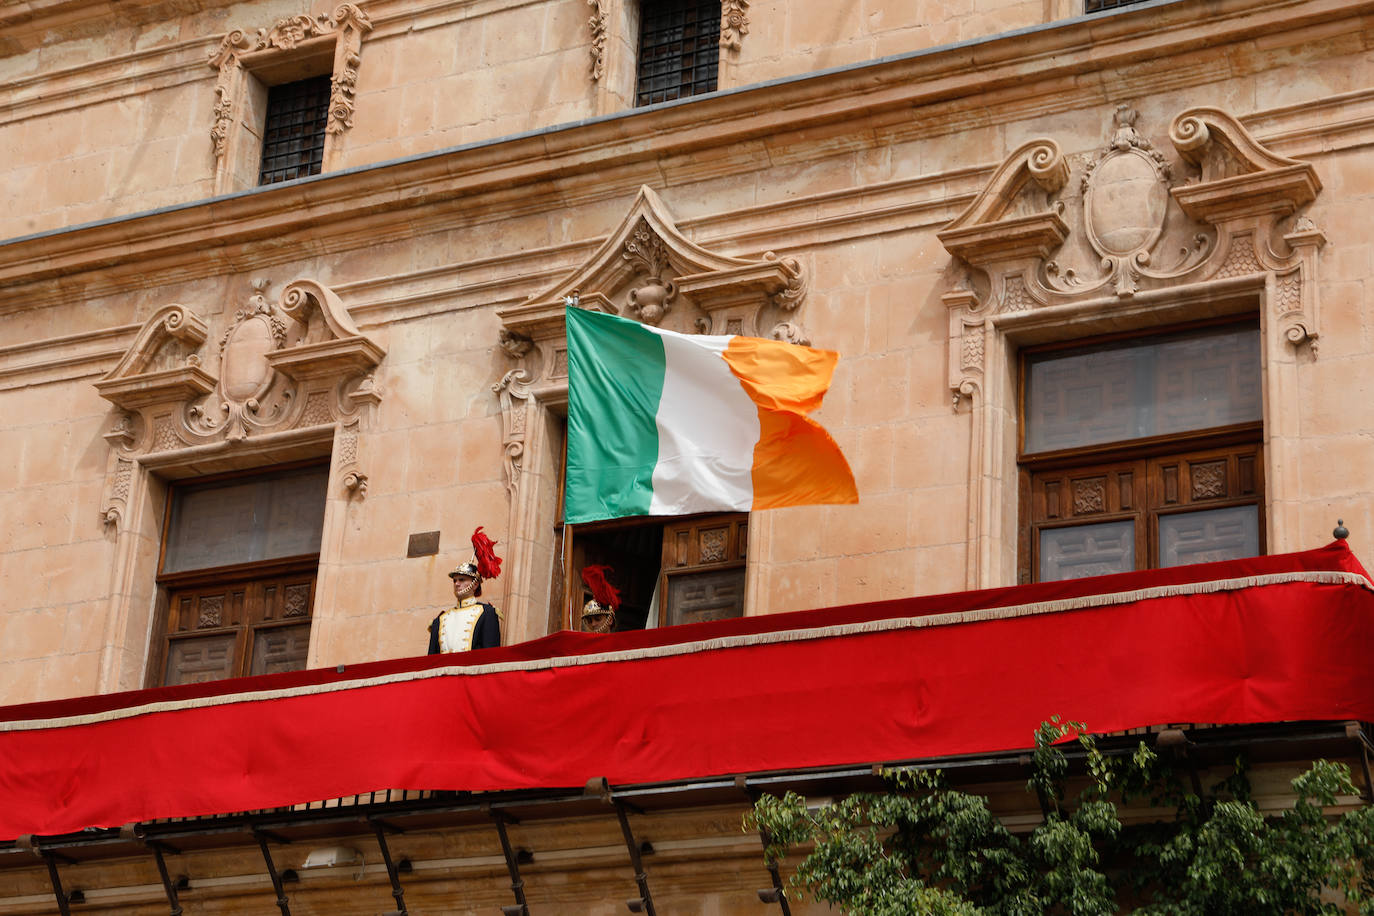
<point>1262,640</point>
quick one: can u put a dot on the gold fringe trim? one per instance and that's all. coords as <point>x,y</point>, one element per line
<point>1315,577</point>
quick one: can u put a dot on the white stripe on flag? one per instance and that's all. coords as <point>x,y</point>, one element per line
<point>707,430</point>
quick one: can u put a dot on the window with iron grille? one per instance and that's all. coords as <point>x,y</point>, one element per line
<point>679,49</point>
<point>293,135</point>
<point>1101,6</point>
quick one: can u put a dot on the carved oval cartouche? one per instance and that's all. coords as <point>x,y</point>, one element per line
<point>245,370</point>
<point>1126,204</point>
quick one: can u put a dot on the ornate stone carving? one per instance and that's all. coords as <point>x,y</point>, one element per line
<point>650,302</point>
<point>791,332</point>
<point>1126,238</point>
<point>734,23</point>
<point>316,410</point>
<point>121,433</point>
<point>597,24</point>
<point>649,271</point>
<point>1015,296</point>
<point>226,61</point>
<point>1240,258</point>
<point>1129,224</point>
<point>118,484</point>
<point>514,392</point>
<point>346,26</point>
<point>517,346</point>
<point>297,363</point>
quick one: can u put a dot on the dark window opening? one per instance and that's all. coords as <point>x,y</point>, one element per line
<point>679,49</point>
<point>1101,6</point>
<point>293,134</point>
<point>669,570</point>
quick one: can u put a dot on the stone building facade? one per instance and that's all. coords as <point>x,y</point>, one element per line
<point>947,194</point>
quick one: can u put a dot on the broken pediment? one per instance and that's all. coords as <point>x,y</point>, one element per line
<point>647,270</point>
<point>295,363</point>
<point>1089,232</point>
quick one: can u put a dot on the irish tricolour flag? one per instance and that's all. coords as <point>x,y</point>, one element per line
<point>671,424</point>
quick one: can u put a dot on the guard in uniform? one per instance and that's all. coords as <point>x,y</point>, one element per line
<point>470,624</point>
<point>598,614</point>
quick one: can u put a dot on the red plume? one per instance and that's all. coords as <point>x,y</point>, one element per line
<point>484,548</point>
<point>606,594</point>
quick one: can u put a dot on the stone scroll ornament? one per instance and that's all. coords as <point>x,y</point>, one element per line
<point>295,367</point>
<point>1134,221</point>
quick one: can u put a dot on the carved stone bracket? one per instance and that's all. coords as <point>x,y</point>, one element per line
<point>734,23</point>
<point>597,24</point>
<point>240,50</point>
<point>516,401</point>
<point>291,365</point>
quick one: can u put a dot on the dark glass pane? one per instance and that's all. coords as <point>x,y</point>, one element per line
<point>293,134</point>
<point>1086,550</point>
<point>1208,536</point>
<point>245,520</point>
<point>1140,388</point>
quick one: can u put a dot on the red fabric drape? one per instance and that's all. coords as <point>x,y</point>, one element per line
<point>1270,652</point>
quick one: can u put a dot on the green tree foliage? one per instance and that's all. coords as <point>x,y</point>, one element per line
<point>926,848</point>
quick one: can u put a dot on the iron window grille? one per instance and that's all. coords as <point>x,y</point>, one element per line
<point>1101,6</point>
<point>293,135</point>
<point>679,49</point>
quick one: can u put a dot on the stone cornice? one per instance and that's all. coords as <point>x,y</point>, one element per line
<point>608,157</point>
<point>175,63</point>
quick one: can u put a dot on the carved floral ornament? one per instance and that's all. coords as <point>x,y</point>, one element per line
<point>1133,223</point>
<point>734,25</point>
<point>649,271</point>
<point>346,26</point>
<point>283,368</point>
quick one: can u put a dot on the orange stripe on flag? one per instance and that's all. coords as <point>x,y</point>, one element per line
<point>796,462</point>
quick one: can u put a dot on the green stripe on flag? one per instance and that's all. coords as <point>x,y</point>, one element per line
<point>615,382</point>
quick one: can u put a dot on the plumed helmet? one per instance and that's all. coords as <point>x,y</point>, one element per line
<point>485,564</point>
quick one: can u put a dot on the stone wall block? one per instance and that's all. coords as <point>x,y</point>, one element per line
<point>939,515</point>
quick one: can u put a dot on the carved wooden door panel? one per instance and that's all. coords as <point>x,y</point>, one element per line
<point>703,569</point>
<point>1195,507</point>
<point>255,626</point>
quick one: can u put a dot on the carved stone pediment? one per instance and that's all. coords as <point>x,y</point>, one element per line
<point>649,271</point>
<point>1050,230</point>
<point>276,367</point>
